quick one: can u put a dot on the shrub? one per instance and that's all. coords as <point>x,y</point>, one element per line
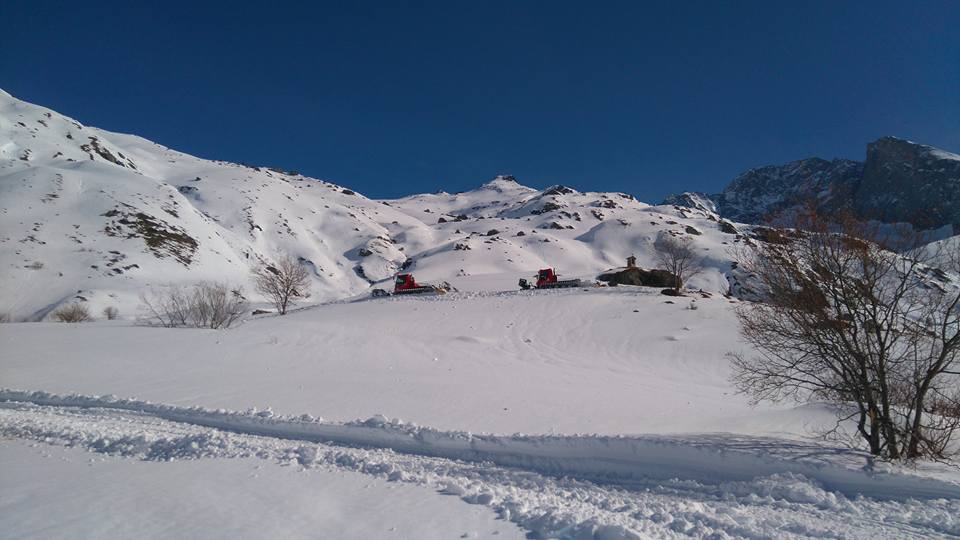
<point>216,306</point>
<point>111,313</point>
<point>205,305</point>
<point>72,313</point>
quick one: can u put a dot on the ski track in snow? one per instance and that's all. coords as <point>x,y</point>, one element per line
<point>553,486</point>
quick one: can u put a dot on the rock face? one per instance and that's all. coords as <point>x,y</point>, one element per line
<point>639,276</point>
<point>759,193</point>
<point>904,181</point>
<point>900,182</point>
<point>695,200</point>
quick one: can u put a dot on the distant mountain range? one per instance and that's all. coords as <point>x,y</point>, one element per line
<point>900,182</point>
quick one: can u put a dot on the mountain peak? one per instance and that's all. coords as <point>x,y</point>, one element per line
<point>693,199</point>
<point>503,182</point>
<point>896,145</point>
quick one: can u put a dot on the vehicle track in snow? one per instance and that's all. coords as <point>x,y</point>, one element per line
<point>552,486</point>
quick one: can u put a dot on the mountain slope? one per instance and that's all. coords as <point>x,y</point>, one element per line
<point>94,216</point>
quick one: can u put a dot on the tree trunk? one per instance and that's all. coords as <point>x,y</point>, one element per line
<point>874,435</point>
<point>913,446</point>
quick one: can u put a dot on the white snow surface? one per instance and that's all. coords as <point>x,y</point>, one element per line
<point>632,429</point>
<point>553,488</point>
<point>610,361</point>
<point>66,492</point>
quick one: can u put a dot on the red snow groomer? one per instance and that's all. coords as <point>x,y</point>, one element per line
<point>547,279</point>
<point>405,284</point>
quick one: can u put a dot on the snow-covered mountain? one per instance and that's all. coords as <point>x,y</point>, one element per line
<point>900,182</point>
<point>97,216</point>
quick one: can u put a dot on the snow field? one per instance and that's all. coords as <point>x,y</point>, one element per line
<point>67,493</point>
<point>609,361</point>
<point>784,505</point>
<point>611,459</point>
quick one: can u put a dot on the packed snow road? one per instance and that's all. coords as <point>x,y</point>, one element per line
<point>564,487</point>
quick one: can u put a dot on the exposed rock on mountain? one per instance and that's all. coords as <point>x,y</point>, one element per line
<point>695,200</point>
<point>909,182</point>
<point>761,192</point>
<point>900,182</point>
<point>639,276</point>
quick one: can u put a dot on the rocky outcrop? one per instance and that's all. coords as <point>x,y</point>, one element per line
<point>693,199</point>
<point>900,182</point>
<point>638,276</point>
<point>909,182</point>
<point>768,191</point>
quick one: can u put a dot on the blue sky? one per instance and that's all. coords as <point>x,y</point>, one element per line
<point>394,98</point>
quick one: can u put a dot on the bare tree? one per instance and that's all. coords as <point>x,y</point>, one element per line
<point>72,313</point>
<point>215,305</point>
<point>675,255</point>
<point>205,305</point>
<point>848,321</point>
<point>284,283</point>
<point>169,307</point>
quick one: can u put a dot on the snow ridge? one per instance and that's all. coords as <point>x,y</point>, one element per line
<point>620,459</point>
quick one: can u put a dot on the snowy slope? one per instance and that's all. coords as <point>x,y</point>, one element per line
<point>504,227</point>
<point>90,215</point>
<point>679,454</point>
<point>533,362</point>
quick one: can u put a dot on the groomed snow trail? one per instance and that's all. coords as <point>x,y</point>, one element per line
<point>565,487</point>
